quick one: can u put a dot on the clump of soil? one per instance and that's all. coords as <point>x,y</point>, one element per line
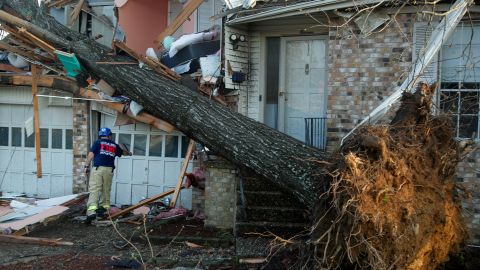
<point>392,195</point>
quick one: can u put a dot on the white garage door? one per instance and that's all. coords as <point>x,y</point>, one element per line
<point>17,152</point>
<point>154,166</point>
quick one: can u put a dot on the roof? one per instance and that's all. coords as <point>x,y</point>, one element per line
<point>276,9</point>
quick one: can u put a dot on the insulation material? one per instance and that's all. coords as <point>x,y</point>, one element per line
<point>19,224</point>
<point>210,66</point>
<point>135,108</point>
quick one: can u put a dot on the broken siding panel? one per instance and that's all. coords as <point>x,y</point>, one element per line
<point>421,34</point>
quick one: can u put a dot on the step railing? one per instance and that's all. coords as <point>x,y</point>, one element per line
<point>316,132</point>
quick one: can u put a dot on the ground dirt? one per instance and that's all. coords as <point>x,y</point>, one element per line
<point>95,246</point>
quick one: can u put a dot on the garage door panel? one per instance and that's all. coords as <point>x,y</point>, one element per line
<point>172,169</point>
<point>30,184</point>
<point>154,190</point>
<point>139,192</point>
<point>124,169</point>
<point>68,188</point>
<point>19,116</point>
<point>5,115</point>
<point>185,198</point>
<point>5,155</point>
<point>58,164</point>
<point>46,162</point>
<point>124,195</point>
<point>57,185</point>
<point>19,162</point>
<point>139,171</point>
<point>155,172</point>
<point>43,186</point>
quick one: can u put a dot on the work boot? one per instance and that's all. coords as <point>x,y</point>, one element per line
<point>101,212</point>
<point>90,218</point>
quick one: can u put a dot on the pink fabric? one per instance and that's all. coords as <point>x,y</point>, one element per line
<point>5,210</point>
<point>141,210</point>
<point>114,210</point>
<point>19,224</point>
<point>172,212</point>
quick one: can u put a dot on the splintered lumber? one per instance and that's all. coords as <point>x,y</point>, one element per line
<point>76,12</point>
<point>156,66</point>
<point>186,160</point>
<point>141,117</point>
<point>36,121</point>
<point>243,141</point>
<point>39,42</point>
<point>17,239</point>
<point>187,10</point>
<point>142,203</point>
<point>11,68</point>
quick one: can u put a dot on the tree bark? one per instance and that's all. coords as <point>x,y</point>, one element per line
<point>243,141</point>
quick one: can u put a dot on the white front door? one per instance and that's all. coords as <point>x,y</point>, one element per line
<point>302,86</point>
<point>154,166</point>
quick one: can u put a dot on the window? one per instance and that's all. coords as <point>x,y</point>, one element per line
<point>171,146</point>
<point>155,149</point>
<point>3,136</point>
<point>16,136</point>
<point>30,140</point>
<point>125,139</point>
<point>459,93</point>
<point>57,138</point>
<point>68,139</point>
<point>139,145</point>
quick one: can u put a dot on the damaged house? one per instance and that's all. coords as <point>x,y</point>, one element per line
<point>314,70</point>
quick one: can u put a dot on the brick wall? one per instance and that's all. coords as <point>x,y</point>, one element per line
<point>80,143</point>
<point>468,177</point>
<point>363,71</point>
<point>220,194</point>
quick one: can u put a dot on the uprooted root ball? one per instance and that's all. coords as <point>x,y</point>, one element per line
<point>391,198</point>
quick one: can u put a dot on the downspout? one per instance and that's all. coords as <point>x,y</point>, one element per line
<point>441,33</point>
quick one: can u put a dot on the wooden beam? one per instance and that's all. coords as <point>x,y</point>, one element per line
<point>147,201</point>
<point>186,160</point>
<point>39,42</point>
<point>36,120</point>
<point>16,239</point>
<point>187,10</point>
<point>25,54</point>
<point>141,117</point>
<point>11,68</point>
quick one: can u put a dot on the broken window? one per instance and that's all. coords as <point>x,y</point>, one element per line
<point>3,136</point>
<point>125,139</point>
<point>460,79</point>
<point>57,138</point>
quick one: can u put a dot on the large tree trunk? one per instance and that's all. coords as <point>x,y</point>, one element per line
<point>243,141</point>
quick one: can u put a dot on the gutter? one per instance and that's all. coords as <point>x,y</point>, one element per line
<point>301,8</point>
<point>441,33</point>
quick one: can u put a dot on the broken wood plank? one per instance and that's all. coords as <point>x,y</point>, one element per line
<point>39,42</point>
<point>24,54</point>
<point>55,82</point>
<point>11,68</point>
<point>187,10</point>
<point>142,203</point>
<point>36,121</point>
<point>59,3</point>
<point>186,160</point>
<point>141,117</point>
<point>75,13</point>
<point>16,239</point>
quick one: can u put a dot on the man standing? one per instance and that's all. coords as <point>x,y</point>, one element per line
<point>103,153</point>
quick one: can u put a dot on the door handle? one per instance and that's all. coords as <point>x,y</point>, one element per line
<point>281,93</point>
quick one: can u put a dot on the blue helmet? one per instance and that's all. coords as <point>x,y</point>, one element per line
<point>104,132</point>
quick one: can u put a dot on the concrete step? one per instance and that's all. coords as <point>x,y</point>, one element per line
<point>284,229</point>
<point>272,214</point>
<point>268,199</point>
<point>257,184</point>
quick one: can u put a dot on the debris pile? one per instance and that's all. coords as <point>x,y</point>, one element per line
<point>392,194</point>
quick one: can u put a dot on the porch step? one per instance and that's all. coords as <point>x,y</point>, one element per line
<point>284,229</point>
<point>272,214</point>
<point>268,199</point>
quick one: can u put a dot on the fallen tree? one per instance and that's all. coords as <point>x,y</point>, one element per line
<point>384,200</point>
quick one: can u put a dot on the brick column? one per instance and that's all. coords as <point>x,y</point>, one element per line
<point>80,143</point>
<point>220,194</point>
